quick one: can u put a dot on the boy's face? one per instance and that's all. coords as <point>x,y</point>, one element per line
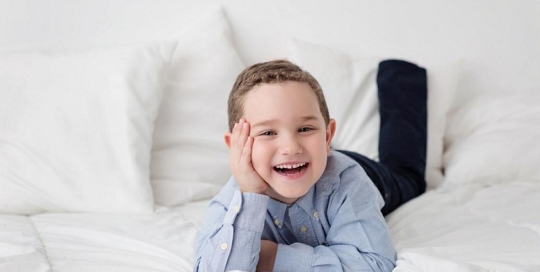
<point>292,141</point>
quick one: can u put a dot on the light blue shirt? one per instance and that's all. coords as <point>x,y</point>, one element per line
<point>336,226</point>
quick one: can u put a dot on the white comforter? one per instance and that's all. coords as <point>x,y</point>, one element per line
<point>100,242</point>
<point>470,228</point>
<point>467,228</point>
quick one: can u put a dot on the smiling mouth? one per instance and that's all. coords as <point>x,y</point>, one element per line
<point>291,169</point>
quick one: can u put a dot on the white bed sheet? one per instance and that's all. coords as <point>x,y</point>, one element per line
<point>467,228</point>
<point>470,228</point>
<point>101,242</point>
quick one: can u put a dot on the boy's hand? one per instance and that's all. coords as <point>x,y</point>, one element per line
<point>240,160</point>
<point>267,256</point>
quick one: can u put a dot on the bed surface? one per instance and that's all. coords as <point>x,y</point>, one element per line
<point>471,228</point>
<point>101,242</point>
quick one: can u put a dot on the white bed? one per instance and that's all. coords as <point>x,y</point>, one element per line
<point>470,228</point>
<point>112,115</point>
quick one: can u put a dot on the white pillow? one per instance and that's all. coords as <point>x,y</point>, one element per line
<point>350,89</point>
<point>76,128</point>
<point>493,139</point>
<point>190,160</point>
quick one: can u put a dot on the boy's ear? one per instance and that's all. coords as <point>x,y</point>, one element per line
<point>227,137</point>
<point>330,131</point>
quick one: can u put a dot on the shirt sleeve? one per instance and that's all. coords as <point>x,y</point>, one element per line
<point>358,238</point>
<point>230,238</point>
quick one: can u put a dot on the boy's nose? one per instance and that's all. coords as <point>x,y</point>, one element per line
<point>290,146</point>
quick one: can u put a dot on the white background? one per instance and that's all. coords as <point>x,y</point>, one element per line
<point>499,40</point>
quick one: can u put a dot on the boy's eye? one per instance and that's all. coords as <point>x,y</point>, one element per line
<point>267,133</point>
<point>305,129</point>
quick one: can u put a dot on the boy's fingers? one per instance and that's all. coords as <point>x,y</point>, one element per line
<point>243,134</point>
<point>239,138</point>
<point>246,152</point>
<point>235,133</point>
<point>238,131</point>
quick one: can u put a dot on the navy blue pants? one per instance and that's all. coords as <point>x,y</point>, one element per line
<point>399,174</point>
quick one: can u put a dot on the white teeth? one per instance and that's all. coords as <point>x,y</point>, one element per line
<point>290,166</point>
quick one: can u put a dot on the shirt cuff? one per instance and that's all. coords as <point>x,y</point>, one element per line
<point>251,212</point>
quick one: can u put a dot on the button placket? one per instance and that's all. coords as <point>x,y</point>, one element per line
<point>302,223</point>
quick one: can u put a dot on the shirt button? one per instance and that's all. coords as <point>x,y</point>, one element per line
<point>303,229</point>
<point>223,246</point>
<point>316,215</point>
<point>276,222</point>
<point>236,209</point>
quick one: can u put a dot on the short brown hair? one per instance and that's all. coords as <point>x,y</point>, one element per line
<point>275,71</point>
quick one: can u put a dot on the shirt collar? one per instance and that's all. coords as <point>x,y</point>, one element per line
<point>277,210</point>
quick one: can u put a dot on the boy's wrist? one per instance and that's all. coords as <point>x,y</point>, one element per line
<point>253,190</point>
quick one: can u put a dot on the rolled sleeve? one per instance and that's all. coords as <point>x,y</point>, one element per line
<point>231,236</point>
<point>302,260</point>
<point>252,212</point>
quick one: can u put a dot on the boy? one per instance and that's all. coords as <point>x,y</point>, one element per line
<point>293,204</point>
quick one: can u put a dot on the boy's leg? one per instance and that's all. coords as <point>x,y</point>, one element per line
<point>399,174</point>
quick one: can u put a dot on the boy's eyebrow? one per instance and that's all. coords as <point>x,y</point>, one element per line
<point>309,118</point>
<point>263,123</point>
<point>270,122</point>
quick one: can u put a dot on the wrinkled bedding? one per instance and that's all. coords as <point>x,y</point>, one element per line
<point>467,228</point>
<point>100,242</point>
<point>470,228</point>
